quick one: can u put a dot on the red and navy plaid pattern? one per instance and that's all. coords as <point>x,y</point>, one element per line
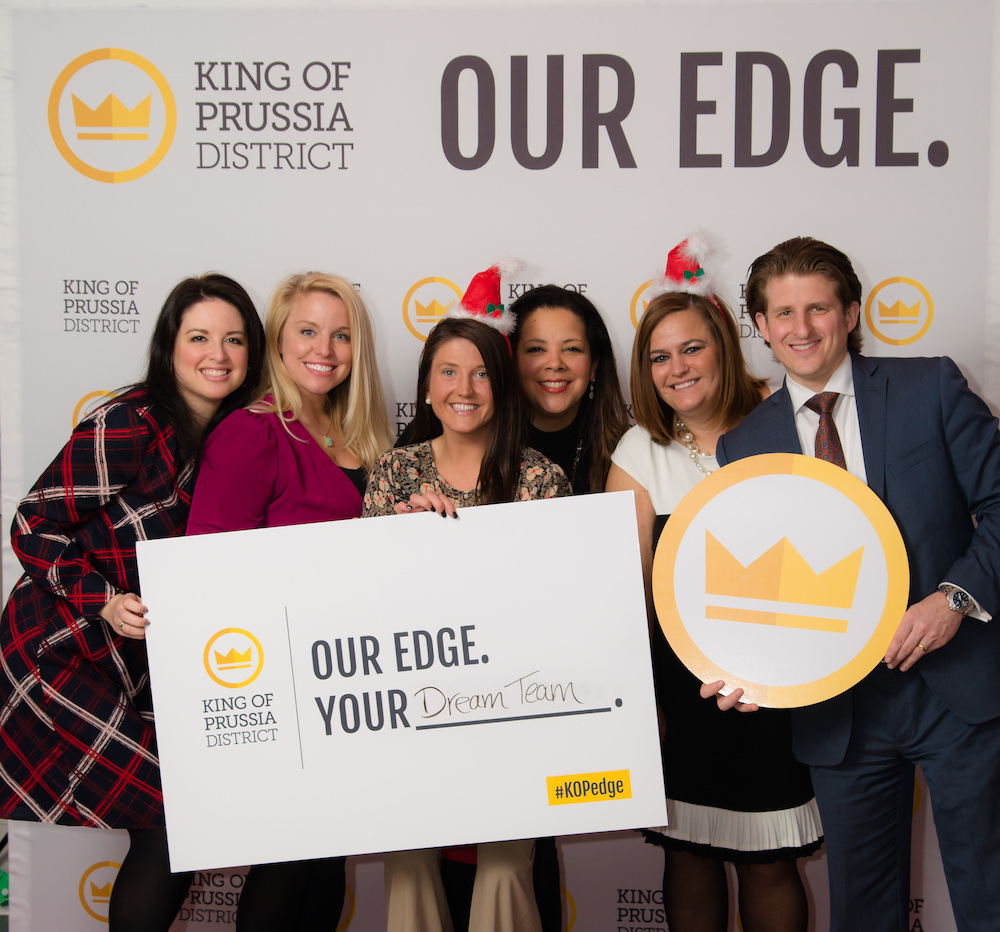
<point>77,745</point>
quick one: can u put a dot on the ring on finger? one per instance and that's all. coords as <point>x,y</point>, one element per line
<point>921,647</point>
<point>121,625</point>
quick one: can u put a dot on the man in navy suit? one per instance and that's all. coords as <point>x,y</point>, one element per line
<point>929,448</point>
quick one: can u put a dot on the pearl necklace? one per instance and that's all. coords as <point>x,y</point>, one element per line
<point>687,438</point>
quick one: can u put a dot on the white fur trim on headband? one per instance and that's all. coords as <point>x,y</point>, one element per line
<point>505,323</point>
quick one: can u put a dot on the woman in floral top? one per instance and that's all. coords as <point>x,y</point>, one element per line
<point>469,451</point>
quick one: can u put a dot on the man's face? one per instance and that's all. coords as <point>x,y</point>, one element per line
<point>807,327</point>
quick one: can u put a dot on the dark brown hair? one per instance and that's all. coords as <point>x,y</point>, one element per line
<point>804,255</point>
<point>501,466</point>
<point>160,384</point>
<point>739,391</point>
<point>603,419</point>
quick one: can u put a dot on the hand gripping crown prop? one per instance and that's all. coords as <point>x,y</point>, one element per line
<point>481,300</point>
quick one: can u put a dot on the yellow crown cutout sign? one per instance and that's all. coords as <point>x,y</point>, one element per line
<point>790,623</point>
<point>111,112</point>
<point>780,575</point>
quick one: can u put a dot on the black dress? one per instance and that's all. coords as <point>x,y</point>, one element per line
<point>734,790</point>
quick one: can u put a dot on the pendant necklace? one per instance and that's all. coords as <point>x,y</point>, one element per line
<point>326,436</point>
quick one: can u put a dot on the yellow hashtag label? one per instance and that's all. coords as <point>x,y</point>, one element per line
<point>589,787</point>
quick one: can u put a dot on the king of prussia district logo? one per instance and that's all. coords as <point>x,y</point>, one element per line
<point>112,115</point>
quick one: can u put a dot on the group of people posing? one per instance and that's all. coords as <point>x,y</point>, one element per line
<point>238,425</point>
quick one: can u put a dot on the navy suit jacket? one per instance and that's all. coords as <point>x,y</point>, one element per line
<point>932,454</point>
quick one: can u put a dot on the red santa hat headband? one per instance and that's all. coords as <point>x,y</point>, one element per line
<point>481,300</point>
<point>685,271</point>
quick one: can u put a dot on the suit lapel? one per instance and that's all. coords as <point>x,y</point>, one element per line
<point>786,438</point>
<point>870,387</point>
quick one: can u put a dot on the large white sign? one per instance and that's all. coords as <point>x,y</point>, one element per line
<point>402,682</point>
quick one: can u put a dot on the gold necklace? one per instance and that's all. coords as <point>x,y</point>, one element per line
<point>687,438</point>
<point>326,436</point>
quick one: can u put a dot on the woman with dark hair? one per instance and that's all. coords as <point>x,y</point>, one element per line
<point>567,369</point>
<point>301,453</point>
<point>467,451</point>
<point>689,385</point>
<point>77,745</point>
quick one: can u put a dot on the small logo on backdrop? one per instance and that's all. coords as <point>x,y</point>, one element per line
<point>89,403</point>
<point>112,115</point>
<point>640,301</point>
<point>793,604</point>
<point>350,907</point>
<point>233,657</point>
<point>899,311</point>
<point>95,888</point>
<point>426,303</point>
<point>569,909</point>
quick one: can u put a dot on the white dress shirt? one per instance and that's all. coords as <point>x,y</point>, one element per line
<point>845,417</point>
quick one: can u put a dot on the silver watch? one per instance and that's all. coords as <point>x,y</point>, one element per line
<point>958,599</point>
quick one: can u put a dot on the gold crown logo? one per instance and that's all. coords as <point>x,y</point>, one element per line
<point>780,574</point>
<point>101,894</point>
<point>233,660</point>
<point>898,313</point>
<point>430,313</point>
<point>111,112</point>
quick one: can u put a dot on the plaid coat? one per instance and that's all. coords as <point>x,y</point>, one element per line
<point>77,745</point>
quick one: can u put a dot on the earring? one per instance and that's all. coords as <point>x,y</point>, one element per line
<point>592,391</point>
<point>427,400</point>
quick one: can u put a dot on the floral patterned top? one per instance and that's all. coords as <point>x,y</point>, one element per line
<point>411,470</point>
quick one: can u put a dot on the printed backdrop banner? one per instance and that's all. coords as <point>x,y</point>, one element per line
<point>467,706</point>
<point>409,150</point>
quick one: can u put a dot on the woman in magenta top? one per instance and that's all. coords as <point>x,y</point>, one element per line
<point>301,454</point>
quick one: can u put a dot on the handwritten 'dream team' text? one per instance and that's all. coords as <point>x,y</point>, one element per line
<point>414,652</point>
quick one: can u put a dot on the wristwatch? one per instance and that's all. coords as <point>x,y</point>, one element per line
<point>958,599</point>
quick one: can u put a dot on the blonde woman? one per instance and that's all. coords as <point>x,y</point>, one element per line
<point>300,454</point>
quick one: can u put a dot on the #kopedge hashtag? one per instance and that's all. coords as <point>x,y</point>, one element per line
<point>589,787</point>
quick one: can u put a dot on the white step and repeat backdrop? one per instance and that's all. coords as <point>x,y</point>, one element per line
<point>407,147</point>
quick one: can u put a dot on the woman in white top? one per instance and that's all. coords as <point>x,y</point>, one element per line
<point>689,385</point>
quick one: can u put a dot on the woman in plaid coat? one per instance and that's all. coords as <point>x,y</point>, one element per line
<point>77,745</point>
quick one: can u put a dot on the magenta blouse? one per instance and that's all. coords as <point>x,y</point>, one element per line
<point>253,474</point>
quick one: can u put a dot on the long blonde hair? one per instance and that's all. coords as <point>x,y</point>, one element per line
<point>357,405</point>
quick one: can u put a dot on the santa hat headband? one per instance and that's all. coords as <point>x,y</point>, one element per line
<point>685,271</point>
<point>481,300</point>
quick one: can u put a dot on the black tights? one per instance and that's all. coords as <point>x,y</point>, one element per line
<point>297,896</point>
<point>146,896</point>
<point>696,895</point>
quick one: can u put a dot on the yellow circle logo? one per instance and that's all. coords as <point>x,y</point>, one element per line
<point>569,910</point>
<point>351,908</point>
<point>640,301</point>
<point>426,303</point>
<point>95,888</point>
<point>88,404</point>
<point>899,311</point>
<point>233,657</point>
<point>112,115</point>
<point>782,574</point>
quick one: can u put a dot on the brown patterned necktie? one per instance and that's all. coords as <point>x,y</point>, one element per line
<point>827,439</point>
